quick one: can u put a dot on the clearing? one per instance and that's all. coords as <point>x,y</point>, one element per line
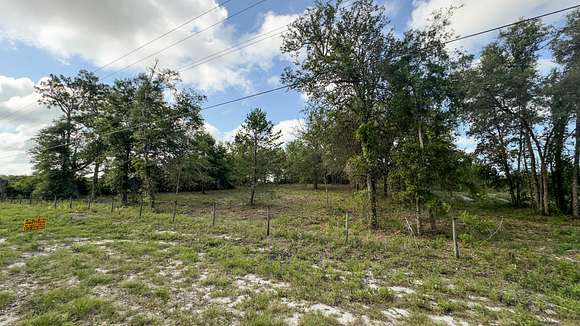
<point>97,267</point>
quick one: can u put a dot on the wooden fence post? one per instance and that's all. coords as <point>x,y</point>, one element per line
<point>268,221</point>
<point>213,215</point>
<point>346,226</point>
<point>90,201</point>
<point>70,202</point>
<point>174,209</point>
<point>112,203</point>
<point>30,200</point>
<point>55,202</point>
<point>455,244</point>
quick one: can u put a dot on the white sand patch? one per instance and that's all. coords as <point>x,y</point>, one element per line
<point>17,265</point>
<point>401,291</point>
<point>165,232</point>
<point>448,320</point>
<point>294,320</point>
<point>395,314</point>
<point>343,317</point>
<point>256,283</point>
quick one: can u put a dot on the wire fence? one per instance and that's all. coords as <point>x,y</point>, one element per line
<point>338,213</point>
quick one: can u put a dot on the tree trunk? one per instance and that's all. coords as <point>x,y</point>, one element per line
<point>534,175</point>
<point>545,199</point>
<point>575,208</point>
<point>372,197</point>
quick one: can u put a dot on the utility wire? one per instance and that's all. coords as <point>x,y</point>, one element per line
<point>511,24</point>
<point>289,86</point>
<point>185,38</point>
<point>138,48</point>
<point>219,5</point>
<point>176,116</point>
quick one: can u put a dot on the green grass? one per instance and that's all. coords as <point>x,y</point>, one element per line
<point>117,268</point>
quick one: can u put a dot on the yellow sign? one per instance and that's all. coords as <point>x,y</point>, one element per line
<point>31,224</point>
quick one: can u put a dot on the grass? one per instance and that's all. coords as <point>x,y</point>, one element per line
<point>98,267</point>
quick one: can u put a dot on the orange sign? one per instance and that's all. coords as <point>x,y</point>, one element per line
<point>31,224</point>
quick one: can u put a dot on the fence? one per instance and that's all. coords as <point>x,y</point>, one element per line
<point>213,209</point>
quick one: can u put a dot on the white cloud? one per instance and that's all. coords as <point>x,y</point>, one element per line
<point>290,129</point>
<point>477,15</point>
<point>546,65</point>
<point>20,119</point>
<point>274,81</point>
<point>466,143</point>
<point>101,31</point>
<point>212,130</point>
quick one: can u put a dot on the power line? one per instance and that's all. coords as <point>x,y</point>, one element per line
<point>178,116</point>
<point>138,48</point>
<point>283,87</point>
<point>511,24</point>
<point>185,38</point>
<point>219,5</point>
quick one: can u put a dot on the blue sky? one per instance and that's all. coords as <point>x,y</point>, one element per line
<point>64,36</point>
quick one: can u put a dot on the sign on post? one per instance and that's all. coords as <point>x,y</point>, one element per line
<point>34,224</point>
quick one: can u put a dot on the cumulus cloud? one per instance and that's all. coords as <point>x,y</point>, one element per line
<point>289,129</point>
<point>475,15</point>
<point>212,130</point>
<point>101,31</point>
<point>20,119</point>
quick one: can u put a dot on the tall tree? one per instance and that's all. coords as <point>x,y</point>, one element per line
<point>339,53</point>
<point>59,148</point>
<point>567,53</point>
<point>255,143</point>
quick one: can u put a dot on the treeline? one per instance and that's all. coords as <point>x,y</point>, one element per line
<point>383,111</point>
<point>387,107</point>
<point>140,136</point>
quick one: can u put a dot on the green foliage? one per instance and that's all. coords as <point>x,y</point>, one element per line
<point>476,227</point>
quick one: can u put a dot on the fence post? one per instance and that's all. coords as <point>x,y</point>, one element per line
<point>268,221</point>
<point>213,215</point>
<point>55,202</point>
<point>90,201</point>
<point>346,226</point>
<point>112,203</point>
<point>141,207</point>
<point>70,202</point>
<point>20,201</point>
<point>30,200</point>
<point>174,209</point>
<point>455,244</point>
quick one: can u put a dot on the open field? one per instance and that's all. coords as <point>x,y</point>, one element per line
<point>97,267</point>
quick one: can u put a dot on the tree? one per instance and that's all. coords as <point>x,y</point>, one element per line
<point>509,82</point>
<point>162,129</point>
<point>255,143</point>
<point>59,151</point>
<point>567,53</point>
<point>424,83</point>
<point>338,57</point>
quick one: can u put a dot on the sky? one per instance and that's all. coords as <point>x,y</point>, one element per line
<point>38,38</point>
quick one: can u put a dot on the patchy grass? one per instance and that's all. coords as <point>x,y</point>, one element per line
<point>116,268</point>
